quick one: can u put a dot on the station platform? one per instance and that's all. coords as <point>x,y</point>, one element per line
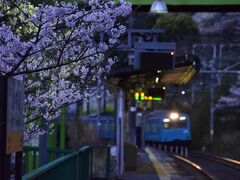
<point>148,167</point>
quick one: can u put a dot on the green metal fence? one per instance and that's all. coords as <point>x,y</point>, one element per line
<point>79,165</point>
<point>31,156</point>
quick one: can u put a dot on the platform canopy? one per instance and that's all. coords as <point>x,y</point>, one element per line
<point>190,5</point>
<point>185,5</point>
<point>180,2</point>
<point>179,76</point>
<point>188,2</point>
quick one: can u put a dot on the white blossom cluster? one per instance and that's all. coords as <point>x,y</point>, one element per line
<point>232,100</point>
<point>57,49</point>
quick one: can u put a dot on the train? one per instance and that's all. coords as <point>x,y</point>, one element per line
<point>160,126</point>
<point>164,126</point>
<point>105,123</point>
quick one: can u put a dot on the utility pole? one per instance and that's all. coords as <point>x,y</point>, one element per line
<point>212,113</point>
<point>43,146</point>
<point>120,130</point>
<point>99,108</point>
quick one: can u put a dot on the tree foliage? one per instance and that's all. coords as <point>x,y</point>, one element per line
<point>177,24</point>
<point>57,51</point>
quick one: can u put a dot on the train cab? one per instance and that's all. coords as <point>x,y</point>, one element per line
<point>167,126</point>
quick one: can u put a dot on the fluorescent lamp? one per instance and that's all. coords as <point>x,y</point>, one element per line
<point>158,6</point>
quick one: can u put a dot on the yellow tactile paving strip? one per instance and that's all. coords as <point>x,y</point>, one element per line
<point>161,171</point>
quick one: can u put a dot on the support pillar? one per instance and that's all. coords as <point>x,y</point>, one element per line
<point>120,131</point>
<point>4,158</point>
<point>18,168</point>
<point>142,128</point>
<point>132,122</point>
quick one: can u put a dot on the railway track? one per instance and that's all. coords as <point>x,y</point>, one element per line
<point>180,168</point>
<point>220,168</point>
<point>200,165</point>
<point>232,163</point>
<point>197,167</point>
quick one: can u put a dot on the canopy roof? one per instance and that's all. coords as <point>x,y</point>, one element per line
<point>181,2</point>
<point>188,2</point>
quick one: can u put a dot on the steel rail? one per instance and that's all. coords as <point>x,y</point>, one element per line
<point>232,163</point>
<point>195,166</point>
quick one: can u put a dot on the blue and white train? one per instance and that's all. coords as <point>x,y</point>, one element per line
<point>167,127</point>
<point>160,126</point>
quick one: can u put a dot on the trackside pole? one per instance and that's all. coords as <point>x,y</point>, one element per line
<point>181,150</point>
<point>176,149</point>
<point>120,131</point>
<point>160,147</point>
<point>186,152</point>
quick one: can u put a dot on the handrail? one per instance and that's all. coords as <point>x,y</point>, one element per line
<point>34,148</point>
<point>78,165</point>
<point>41,170</point>
<point>31,156</point>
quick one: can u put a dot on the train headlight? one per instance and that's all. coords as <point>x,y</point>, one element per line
<point>174,115</point>
<point>182,118</point>
<point>166,120</point>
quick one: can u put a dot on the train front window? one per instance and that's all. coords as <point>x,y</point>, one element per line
<point>175,124</point>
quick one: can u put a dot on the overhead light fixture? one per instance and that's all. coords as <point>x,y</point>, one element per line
<point>158,6</point>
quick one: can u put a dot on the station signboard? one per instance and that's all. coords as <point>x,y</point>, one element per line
<point>15,104</point>
<point>154,56</point>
